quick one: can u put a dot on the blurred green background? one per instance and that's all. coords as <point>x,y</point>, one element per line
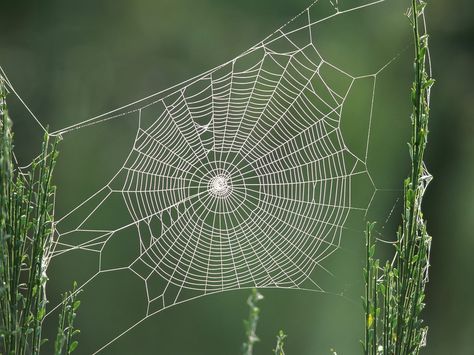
<point>74,60</point>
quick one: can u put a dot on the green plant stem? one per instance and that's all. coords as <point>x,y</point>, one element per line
<point>26,232</point>
<point>280,345</point>
<point>64,344</point>
<point>251,323</point>
<point>398,295</point>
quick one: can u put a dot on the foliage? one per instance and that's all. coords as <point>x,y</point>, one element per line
<point>26,232</point>
<point>64,340</point>
<point>280,345</point>
<point>395,293</point>
<point>251,323</point>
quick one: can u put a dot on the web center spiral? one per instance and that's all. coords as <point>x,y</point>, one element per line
<point>220,186</point>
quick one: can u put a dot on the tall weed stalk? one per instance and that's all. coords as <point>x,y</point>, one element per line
<point>26,235</point>
<point>251,323</point>
<point>395,292</point>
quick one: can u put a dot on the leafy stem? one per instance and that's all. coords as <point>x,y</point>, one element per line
<point>395,294</point>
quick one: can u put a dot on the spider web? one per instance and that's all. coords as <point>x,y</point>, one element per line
<point>240,177</point>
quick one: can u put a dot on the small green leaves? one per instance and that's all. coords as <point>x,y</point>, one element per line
<point>73,346</point>
<point>395,294</point>
<point>428,84</point>
<point>41,313</point>
<point>372,251</point>
<point>26,218</point>
<point>420,8</point>
<point>76,305</point>
<point>66,332</point>
<point>280,345</point>
<point>251,323</point>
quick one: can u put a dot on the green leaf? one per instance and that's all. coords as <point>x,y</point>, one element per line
<point>372,251</point>
<point>73,346</point>
<point>76,305</point>
<point>41,313</point>
<point>428,84</point>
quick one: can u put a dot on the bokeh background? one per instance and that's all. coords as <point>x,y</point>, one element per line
<point>73,60</point>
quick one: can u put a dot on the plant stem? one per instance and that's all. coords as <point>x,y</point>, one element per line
<point>399,293</point>
<point>251,323</point>
<point>26,232</point>
<point>280,345</point>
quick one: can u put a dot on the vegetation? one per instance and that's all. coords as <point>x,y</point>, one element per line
<point>251,323</point>
<point>26,232</point>
<point>65,343</point>
<point>251,327</point>
<point>395,293</point>
<point>280,345</point>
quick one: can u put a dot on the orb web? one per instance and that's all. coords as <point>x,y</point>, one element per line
<point>239,177</point>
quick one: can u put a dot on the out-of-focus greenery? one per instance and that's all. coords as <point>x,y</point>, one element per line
<point>73,60</point>
<point>251,323</point>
